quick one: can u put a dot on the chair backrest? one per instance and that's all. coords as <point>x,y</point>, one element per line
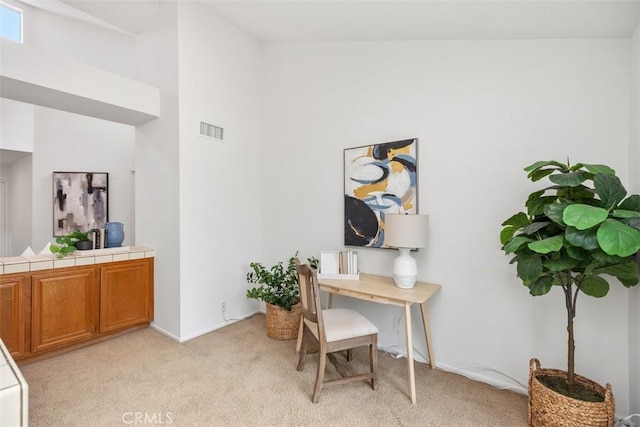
<point>310,296</point>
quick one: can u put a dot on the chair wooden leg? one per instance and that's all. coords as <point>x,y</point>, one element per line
<point>303,353</point>
<point>373,359</point>
<point>322,361</point>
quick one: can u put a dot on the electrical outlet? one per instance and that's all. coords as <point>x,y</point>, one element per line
<point>223,307</point>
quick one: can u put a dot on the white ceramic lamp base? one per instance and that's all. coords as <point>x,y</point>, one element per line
<point>405,269</point>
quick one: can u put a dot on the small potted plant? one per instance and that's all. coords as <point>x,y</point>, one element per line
<point>277,287</point>
<point>578,234</point>
<point>69,243</point>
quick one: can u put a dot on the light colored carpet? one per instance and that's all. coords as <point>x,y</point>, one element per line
<point>237,376</point>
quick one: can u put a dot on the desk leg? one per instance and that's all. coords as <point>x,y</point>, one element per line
<point>412,374</point>
<point>427,332</point>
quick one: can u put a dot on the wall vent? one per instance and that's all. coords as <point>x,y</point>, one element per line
<point>211,131</point>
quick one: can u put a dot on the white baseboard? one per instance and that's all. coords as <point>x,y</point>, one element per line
<point>164,332</point>
<point>218,326</point>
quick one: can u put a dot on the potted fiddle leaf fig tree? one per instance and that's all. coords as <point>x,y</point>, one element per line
<point>579,232</point>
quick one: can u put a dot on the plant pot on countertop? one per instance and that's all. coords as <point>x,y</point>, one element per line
<point>83,245</point>
<point>550,408</point>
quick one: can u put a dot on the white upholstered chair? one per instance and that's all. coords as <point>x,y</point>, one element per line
<point>333,330</point>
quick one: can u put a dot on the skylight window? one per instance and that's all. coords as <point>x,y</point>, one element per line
<point>10,23</point>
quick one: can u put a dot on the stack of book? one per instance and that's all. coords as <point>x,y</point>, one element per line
<point>339,264</point>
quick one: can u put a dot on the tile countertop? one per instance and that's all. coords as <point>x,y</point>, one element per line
<point>21,264</point>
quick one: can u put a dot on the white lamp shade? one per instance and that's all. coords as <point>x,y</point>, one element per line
<point>406,231</point>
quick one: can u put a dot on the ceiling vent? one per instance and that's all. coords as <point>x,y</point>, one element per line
<point>208,130</point>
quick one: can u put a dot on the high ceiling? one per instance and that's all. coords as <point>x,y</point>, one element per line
<point>363,20</point>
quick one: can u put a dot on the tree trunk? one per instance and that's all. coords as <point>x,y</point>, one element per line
<point>570,355</point>
<point>571,313</point>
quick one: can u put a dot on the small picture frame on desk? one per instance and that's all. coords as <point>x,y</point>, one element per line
<point>330,262</point>
<point>332,266</point>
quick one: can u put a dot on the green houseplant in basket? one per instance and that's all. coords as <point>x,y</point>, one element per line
<point>277,287</point>
<point>578,232</point>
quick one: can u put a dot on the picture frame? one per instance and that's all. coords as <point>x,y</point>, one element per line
<point>80,201</point>
<point>378,179</point>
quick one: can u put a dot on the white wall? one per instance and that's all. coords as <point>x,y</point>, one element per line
<point>483,110</point>
<point>63,141</point>
<point>110,50</point>
<point>16,127</point>
<point>16,134</point>
<point>634,168</point>
<point>220,209</point>
<point>157,167</point>
<point>17,179</point>
<point>20,213</point>
<point>75,143</point>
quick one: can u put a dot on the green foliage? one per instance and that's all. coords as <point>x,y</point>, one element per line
<point>67,244</point>
<point>583,224</point>
<point>277,285</point>
<point>575,231</point>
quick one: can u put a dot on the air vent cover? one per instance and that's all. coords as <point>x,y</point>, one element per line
<point>211,131</point>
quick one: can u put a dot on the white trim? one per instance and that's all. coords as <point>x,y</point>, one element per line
<point>4,217</point>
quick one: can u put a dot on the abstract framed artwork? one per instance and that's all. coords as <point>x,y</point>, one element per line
<point>80,201</point>
<point>378,179</point>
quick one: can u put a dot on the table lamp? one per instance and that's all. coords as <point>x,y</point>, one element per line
<point>405,232</point>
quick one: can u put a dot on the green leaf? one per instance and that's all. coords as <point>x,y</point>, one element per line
<point>599,169</point>
<point>519,220</point>
<point>629,282</point>
<point>536,206</point>
<point>538,174</point>
<point>539,164</point>
<point>533,227</point>
<point>583,217</point>
<point>541,286</point>
<point>578,253</point>
<point>632,203</point>
<point>507,234</point>
<point>594,286</point>
<point>554,212</point>
<point>621,213</point>
<point>515,243</point>
<point>602,256</point>
<point>529,268</point>
<point>544,246</point>
<point>610,190</point>
<point>571,179</point>
<point>631,222</point>
<point>616,238</point>
<point>586,239</point>
<point>627,270</point>
<point>561,264</point>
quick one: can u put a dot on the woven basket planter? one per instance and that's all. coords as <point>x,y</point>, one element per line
<point>281,323</point>
<point>549,408</point>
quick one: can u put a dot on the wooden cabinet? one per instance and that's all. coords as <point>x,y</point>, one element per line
<point>64,304</point>
<point>13,309</point>
<point>125,295</point>
<point>47,312</point>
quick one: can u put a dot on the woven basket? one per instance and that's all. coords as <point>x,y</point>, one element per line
<point>281,323</point>
<point>549,408</point>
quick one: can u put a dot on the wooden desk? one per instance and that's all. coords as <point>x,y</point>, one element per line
<point>382,290</point>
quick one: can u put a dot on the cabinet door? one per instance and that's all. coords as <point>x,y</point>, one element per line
<point>64,305</point>
<point>12,313</point>
<point>126,295</point>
